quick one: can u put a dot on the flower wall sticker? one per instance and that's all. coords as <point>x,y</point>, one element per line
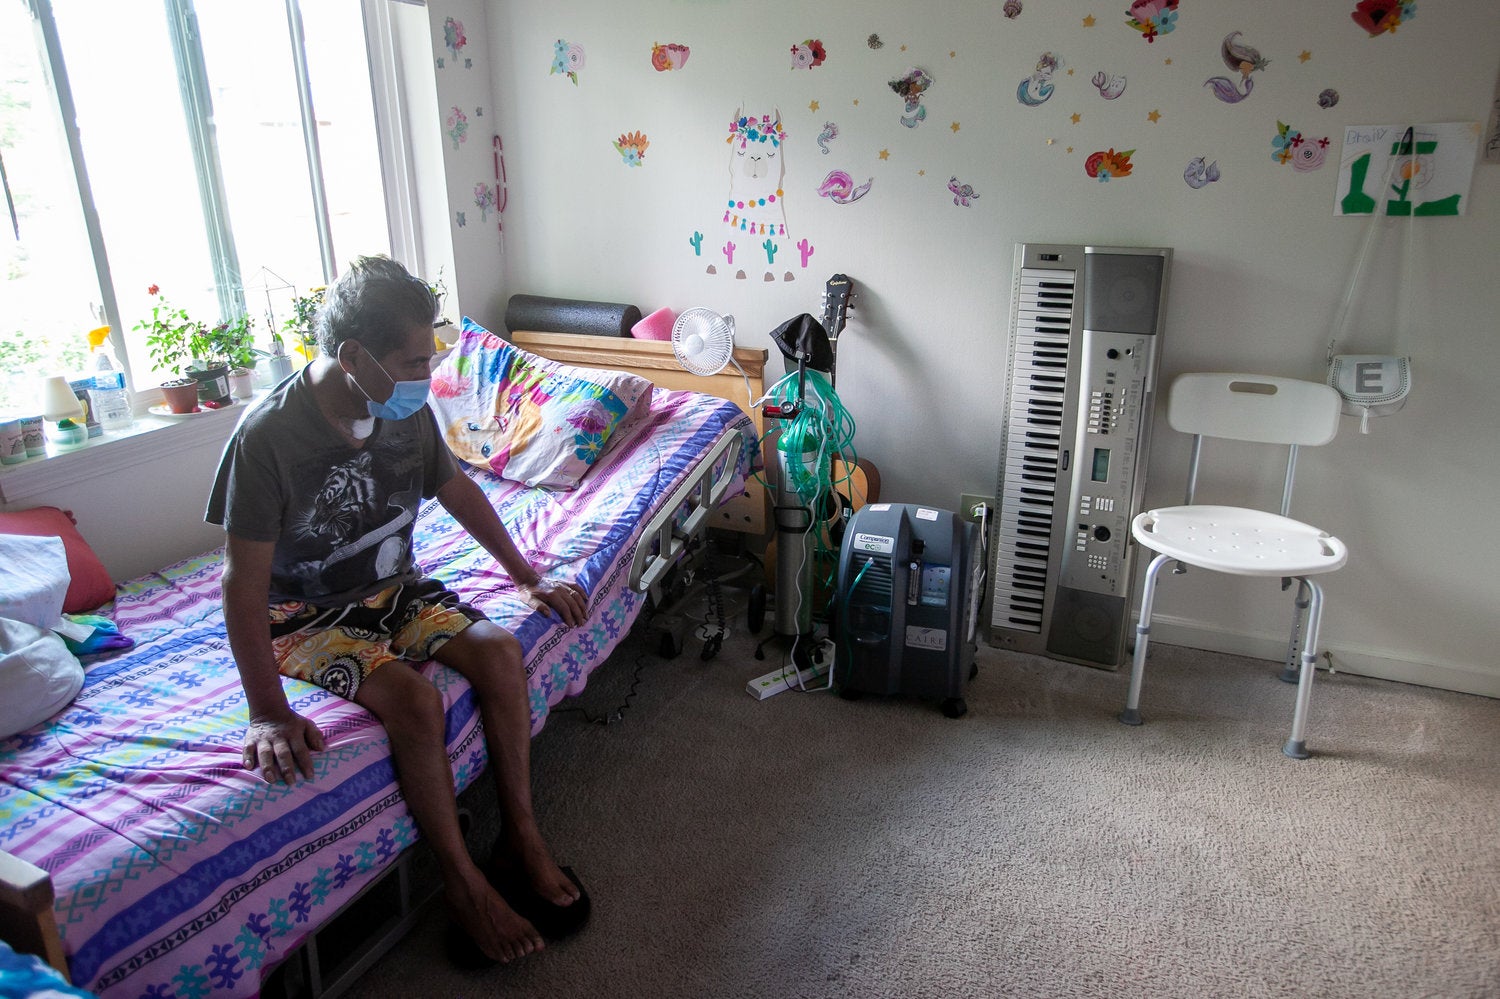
<point>668,57</point>
<point>567,60</point>
<point>809,54</point>
<point>632,148</point>
<point>1379,16</point>
<point>484,199</point>
<point>1241,57</point>
<point>453,36</point>
<point>458,126</point>
<point>1107,163</point>
<point>1153,17</point>
<point>1289,145</point>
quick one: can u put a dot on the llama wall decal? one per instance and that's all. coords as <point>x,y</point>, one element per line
<point>755,204</point>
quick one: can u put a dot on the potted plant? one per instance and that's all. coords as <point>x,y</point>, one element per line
<point>302,325</point>
<point>173,340</point>
<point>233,344</point>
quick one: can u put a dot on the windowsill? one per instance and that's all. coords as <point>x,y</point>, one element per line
<point>150,437</point>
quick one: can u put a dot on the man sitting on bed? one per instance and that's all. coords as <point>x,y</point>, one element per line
<point>318,491</point>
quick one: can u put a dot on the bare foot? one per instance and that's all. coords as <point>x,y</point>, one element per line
<point>494,926</point>
<point>530,856</point>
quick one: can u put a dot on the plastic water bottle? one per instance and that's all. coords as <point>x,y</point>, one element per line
<point>110,400</point>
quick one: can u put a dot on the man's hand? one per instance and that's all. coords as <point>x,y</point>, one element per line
<point>548,595</point>
<point>280,747</point>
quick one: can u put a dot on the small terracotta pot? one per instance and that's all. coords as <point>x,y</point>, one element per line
<point>181,397</point>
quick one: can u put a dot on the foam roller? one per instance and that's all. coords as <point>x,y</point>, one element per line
<point>569,315</point>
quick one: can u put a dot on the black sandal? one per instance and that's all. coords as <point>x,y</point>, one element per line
<point>553,922</point>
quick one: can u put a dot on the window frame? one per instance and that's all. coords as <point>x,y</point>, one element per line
<point>390,109</point>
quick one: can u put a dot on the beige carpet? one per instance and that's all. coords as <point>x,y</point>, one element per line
<point>811,846</point>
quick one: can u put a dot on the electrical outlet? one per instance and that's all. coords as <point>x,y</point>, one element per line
<point>967,503</point>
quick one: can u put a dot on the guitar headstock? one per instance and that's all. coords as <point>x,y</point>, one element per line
<point>838,302</point>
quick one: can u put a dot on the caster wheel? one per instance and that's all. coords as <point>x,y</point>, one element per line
<point>954,707</point>
<point>755,613</point>
<point>973,670</point>
<point>850,695</point>
<point>670,647</point>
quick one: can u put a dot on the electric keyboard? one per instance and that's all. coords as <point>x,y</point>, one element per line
<point>1076,426</point>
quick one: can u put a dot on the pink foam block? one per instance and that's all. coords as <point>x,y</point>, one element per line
<point>656,326</point>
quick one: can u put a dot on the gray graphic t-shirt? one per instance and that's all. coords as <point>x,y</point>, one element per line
<point>341,516</point>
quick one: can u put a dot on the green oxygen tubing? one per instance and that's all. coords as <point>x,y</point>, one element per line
<point>821,429</point>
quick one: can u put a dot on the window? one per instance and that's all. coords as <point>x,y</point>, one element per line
<point>227,153</point>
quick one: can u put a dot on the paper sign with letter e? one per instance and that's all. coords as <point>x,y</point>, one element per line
<point>1429,175</point>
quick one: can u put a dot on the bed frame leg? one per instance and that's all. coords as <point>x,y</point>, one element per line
<point>26,920</point>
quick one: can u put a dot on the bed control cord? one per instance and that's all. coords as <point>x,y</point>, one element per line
<point>616,714</point>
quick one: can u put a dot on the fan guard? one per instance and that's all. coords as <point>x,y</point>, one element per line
<point>703,341</point>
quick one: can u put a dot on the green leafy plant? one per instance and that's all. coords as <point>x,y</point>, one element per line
<point>173,338</point>
<point>302,324</point>
<point>233,343</point>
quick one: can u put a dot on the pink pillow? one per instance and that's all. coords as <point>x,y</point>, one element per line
<point>89,585</point>
<point>657,326</point>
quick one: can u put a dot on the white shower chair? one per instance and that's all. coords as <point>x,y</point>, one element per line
<point>1241,540</point>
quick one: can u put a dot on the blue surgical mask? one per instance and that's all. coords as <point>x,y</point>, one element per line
<point>406,398</point>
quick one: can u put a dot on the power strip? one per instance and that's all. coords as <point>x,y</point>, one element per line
<point>785,678</point>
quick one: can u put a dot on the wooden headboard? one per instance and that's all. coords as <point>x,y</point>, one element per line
<point>654,361</point>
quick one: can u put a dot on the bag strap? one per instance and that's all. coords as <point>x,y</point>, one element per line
<point>1341,319</point>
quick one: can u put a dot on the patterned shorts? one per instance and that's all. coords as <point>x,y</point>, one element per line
<point>337,648</point>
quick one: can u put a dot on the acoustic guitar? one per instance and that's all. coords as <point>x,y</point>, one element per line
<point>858,483</point>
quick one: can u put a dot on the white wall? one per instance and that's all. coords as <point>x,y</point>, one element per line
<point>1260,259</point>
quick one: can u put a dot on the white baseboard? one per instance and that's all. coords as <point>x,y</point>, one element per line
<point>1346,658</point>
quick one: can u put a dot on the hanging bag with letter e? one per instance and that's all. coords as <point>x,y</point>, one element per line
<point>1371,384</point>
<point>1375,384</point>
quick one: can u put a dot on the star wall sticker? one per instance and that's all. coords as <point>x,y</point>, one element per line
<point>1304,56</point>
<point>813,106</point>
<point>1154,116</point>
<point>954,126</point>
<point>885,154</point>
<point>1088,22</point>
<point>1076,117</point>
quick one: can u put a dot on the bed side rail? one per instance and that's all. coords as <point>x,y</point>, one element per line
<point>26,920</point>
<point>664,539</point>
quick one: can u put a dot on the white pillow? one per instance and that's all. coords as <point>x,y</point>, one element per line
<point>38,674</point>
<point>33,579</point>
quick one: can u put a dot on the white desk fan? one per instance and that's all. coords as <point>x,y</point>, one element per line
<point>703,342</point>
